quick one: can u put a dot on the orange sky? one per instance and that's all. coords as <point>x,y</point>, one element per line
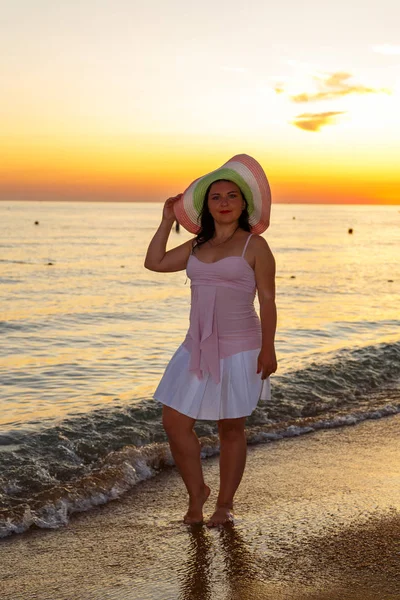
<point>104,103</point>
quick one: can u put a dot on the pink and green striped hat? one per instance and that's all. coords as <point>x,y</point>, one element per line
<point>248,174</point>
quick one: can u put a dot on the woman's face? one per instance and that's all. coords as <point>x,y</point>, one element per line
<point>225,202</point>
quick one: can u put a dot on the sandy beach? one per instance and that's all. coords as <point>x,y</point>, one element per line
<point>317,517</point>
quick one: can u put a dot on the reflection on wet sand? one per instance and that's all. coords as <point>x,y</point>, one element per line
<point>195,573</point>
<point>242,575</point>
<point>222,565</point>
<point>197,576</point>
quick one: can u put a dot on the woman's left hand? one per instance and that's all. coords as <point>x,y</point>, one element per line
<point>266,362</point>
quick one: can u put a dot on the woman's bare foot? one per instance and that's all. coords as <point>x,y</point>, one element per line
<point>195,510</point>
<point>222,515</point>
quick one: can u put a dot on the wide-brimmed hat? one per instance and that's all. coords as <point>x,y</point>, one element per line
<point>248,174</point>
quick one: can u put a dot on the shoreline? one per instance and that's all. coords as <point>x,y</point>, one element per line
<point>317,518</point>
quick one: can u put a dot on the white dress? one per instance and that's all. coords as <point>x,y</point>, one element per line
<point>213,373</point>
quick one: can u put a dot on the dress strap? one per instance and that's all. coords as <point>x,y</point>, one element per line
<point>245,246</point>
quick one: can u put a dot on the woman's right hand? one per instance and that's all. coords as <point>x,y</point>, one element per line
<point>168,210</point>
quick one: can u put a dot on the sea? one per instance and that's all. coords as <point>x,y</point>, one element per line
<point>86,333</point>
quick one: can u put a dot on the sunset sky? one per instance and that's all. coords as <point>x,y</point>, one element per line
<point>127,100</point>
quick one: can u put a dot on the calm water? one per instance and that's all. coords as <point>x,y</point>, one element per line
<point>85,339</point>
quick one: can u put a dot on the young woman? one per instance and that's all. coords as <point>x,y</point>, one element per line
<point>227,356</point>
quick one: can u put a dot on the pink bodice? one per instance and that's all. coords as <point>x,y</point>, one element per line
<point>223,320</point>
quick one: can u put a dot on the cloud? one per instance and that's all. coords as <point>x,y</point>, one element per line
<point>334,86</point>
<point>315,121</point>
<point>386,49</point>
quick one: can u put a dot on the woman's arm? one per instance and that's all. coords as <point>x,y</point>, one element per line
<point>157,259</point>
<point>265,280</point>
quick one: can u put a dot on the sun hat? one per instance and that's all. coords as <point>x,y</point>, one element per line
<point>248,174</point>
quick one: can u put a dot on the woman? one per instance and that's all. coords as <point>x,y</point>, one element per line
<point>228,354</point>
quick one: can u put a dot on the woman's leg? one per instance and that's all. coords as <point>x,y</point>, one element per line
<point>185,449</point>
<point>233,452</point>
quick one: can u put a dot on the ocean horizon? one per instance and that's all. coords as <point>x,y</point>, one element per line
<point>87,332</point>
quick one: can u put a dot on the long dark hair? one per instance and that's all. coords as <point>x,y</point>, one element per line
<point>207,225</point>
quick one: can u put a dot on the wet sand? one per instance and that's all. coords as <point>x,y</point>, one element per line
<point>317,518</point>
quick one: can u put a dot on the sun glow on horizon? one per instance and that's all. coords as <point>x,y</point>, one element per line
<point>116,105</point>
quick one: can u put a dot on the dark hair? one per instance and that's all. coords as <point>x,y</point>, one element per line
<point>207,225</point>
